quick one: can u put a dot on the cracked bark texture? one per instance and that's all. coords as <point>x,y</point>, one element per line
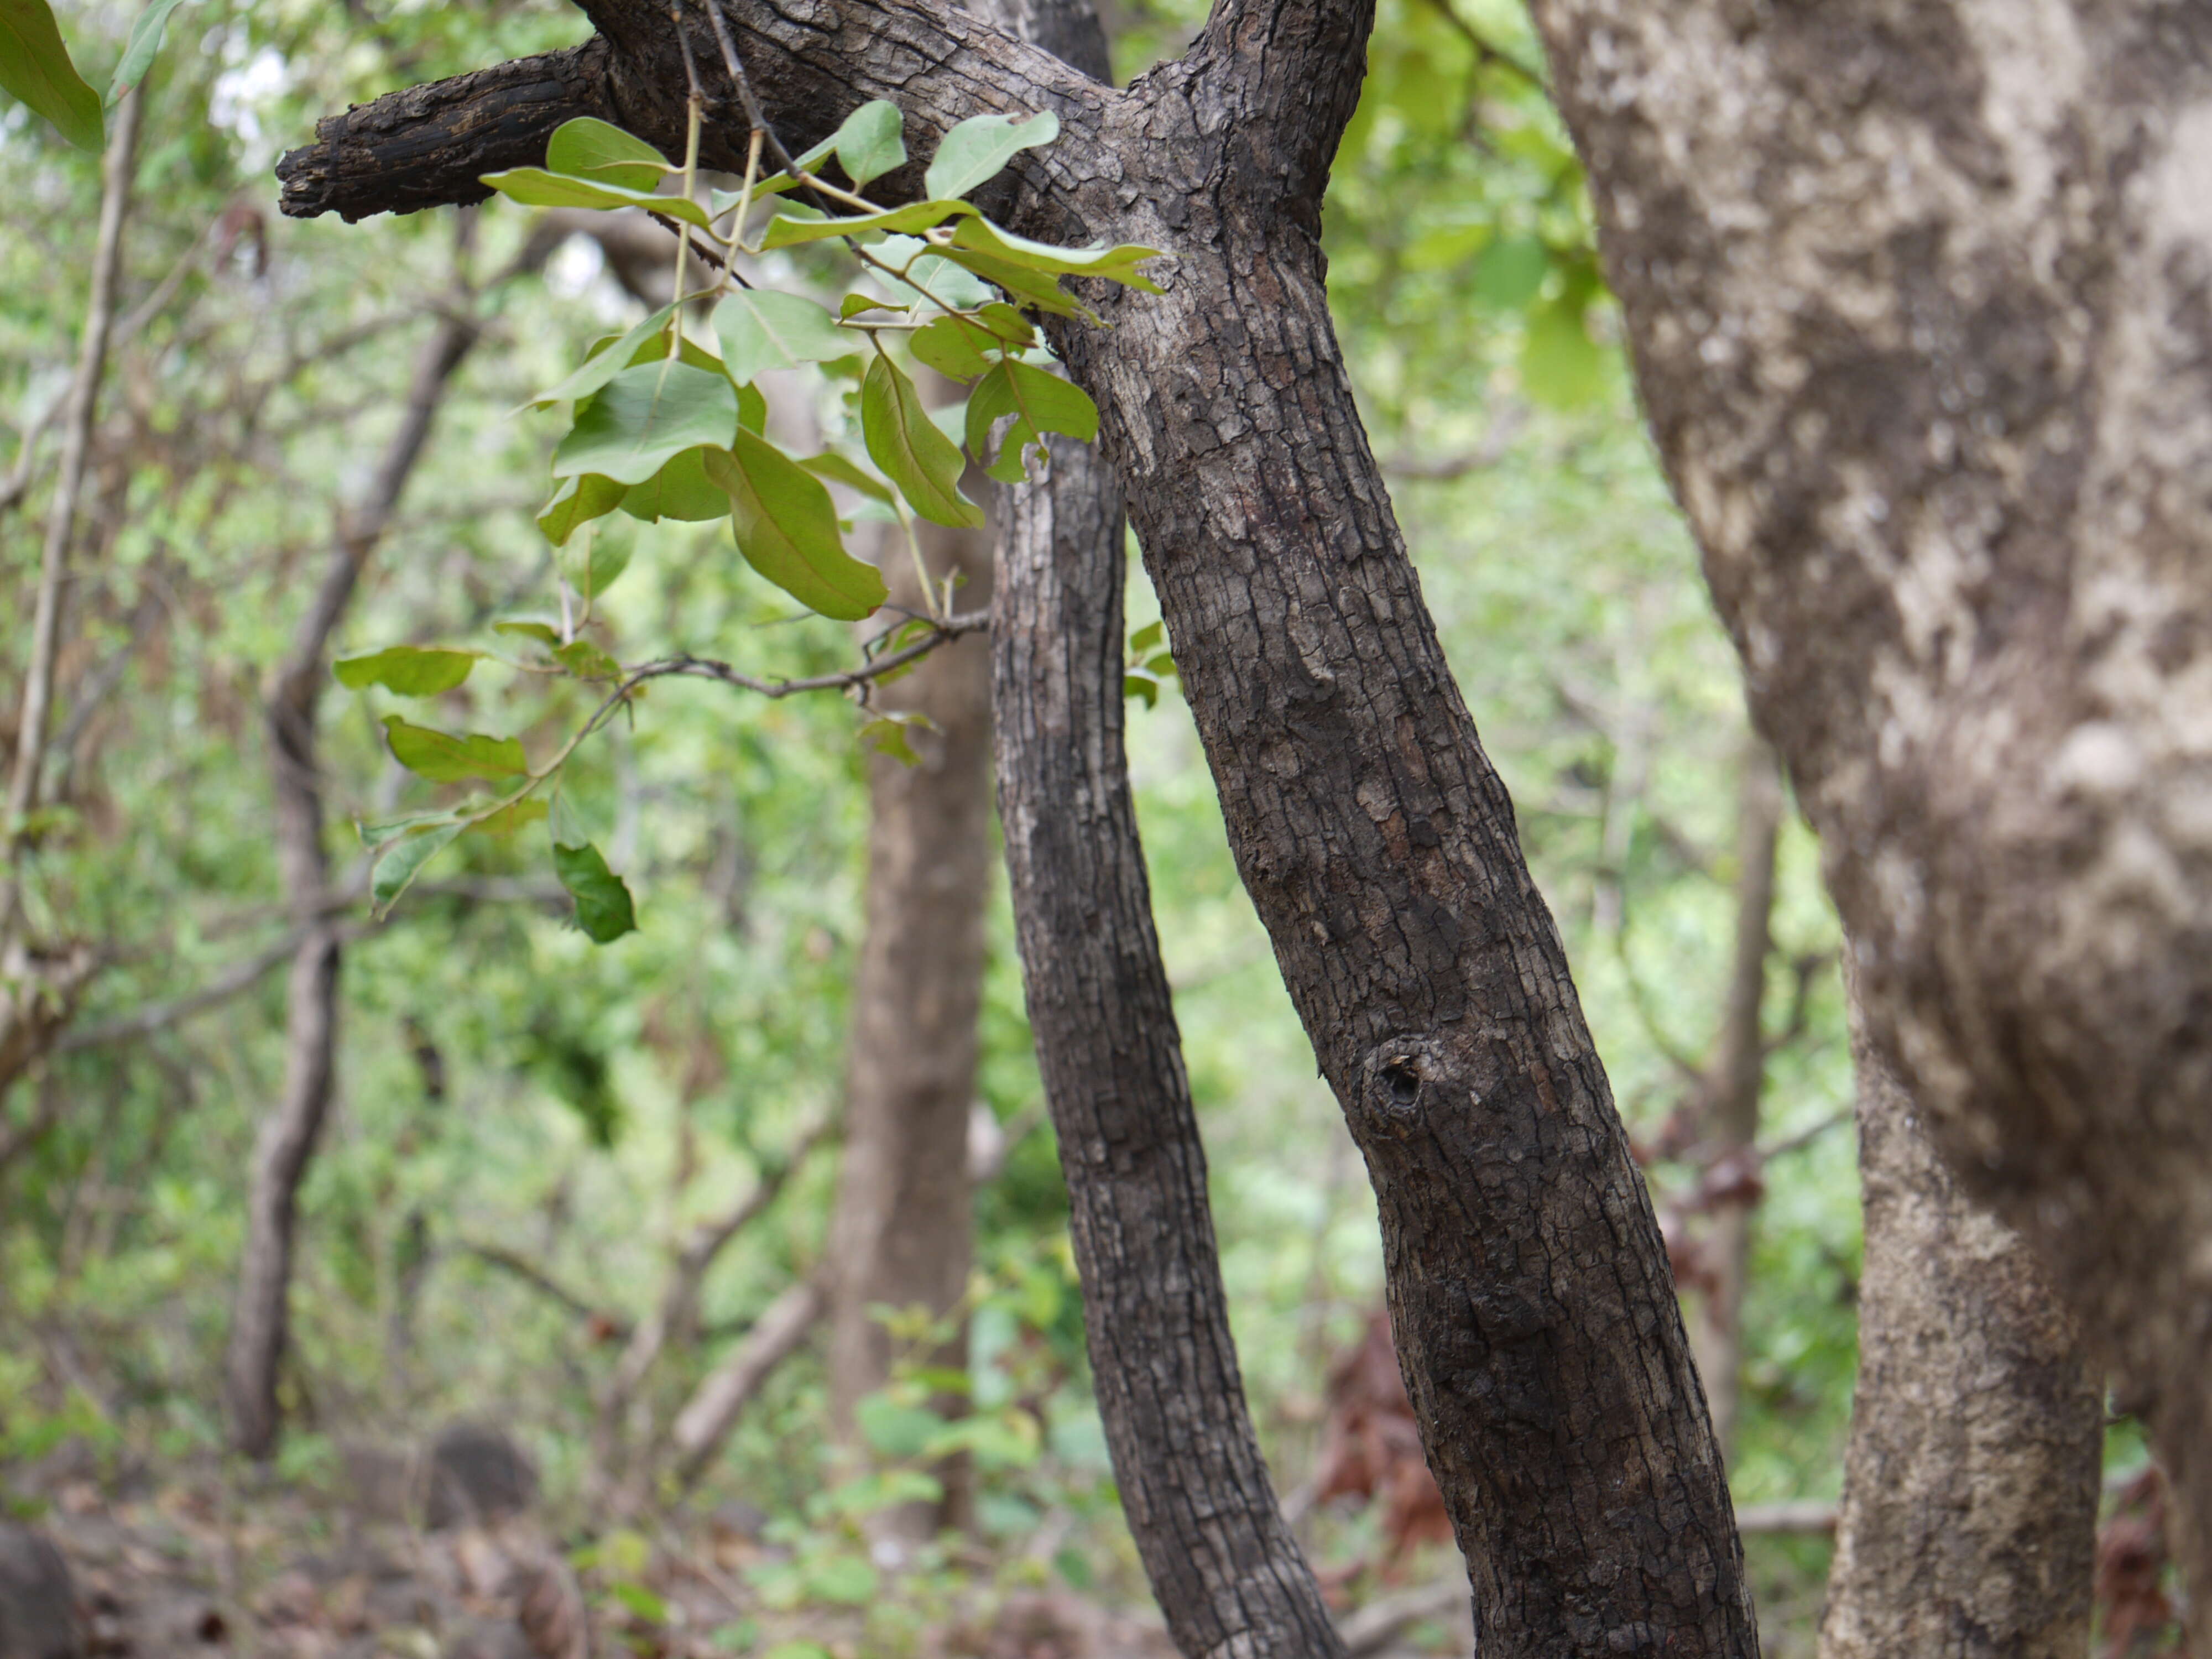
<point>1224,1565</point>
<point>1969,1521</point>
<point>1229,1575</point>
<point>1921,303</point>
<point>1535,1315</point>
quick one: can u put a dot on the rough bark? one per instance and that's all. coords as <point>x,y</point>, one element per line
<point>1536,1319</point>
<point>1921,300</point>
<point>287,1139</point>
<point>1969,1519</point>
<point>1229,1575</point>
<point>902,1235</point>
<point>1734,1083</point>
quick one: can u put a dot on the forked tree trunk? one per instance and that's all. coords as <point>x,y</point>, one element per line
<point>286,1143</point>
<point>1918,296</point>
<point>1535,1315</point>
<point>902,1235</point>
<point>1969,1520</point>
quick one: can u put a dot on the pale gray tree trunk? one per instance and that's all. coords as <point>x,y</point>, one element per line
<point>1969,1520</point>
<point>1918,300</point>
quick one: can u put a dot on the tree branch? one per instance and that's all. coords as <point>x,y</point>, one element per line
<point>428,146</point>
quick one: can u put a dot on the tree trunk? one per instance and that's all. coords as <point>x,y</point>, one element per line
<point>902,1235</point>
<point>1734,1082</point>
<point>1229,1575</point>
<point>1969,1520</point>
<point>287,1137</point>
<point>1535,1315</point>
<point>1918,302</point>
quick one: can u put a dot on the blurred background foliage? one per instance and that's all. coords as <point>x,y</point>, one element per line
<point>507,1086</point>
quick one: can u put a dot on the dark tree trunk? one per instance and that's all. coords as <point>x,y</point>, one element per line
<point>287,1140</point>
<point>1228,1574</point>
<point>902,1235</point>
<point>1535,1315</point>
<point>1969,1520</point>
<point>1919,304</point>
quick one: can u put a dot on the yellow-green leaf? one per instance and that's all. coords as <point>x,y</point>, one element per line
<point>787,528</point>
<point>905,443</point>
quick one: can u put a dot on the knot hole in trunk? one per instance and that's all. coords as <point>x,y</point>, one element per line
<point>1400,1077</point>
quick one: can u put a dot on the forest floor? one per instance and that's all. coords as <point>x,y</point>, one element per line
<point>190,1562</point>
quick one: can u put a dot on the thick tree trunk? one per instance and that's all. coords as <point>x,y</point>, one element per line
<point>1918,300</point>
<point>1734,1083</point>
<point>1229,1575</point>
<point>902,1235</point>
<point>287,1136</point>
<point>1969,1520</point>
<point>1535,1315</point>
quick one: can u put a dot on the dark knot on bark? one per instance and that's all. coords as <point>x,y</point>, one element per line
<point>1399,1078</point>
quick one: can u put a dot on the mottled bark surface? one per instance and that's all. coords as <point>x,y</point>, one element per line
<point>1535,1315</point>
<point>287,1139</point>
<point>1969,1520</point>
<point>902,1235</point>
<point>1920,300</point>
<point>1229,1578</point>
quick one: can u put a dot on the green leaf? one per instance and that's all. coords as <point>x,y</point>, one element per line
<point>603,364</point>
<point>592,567</point>
<point>544,632</point>
<point>604,154</point>
<point>1116,263</point>
<point>536,188</point>
<point>762,329</point>
<point>640,1601</point>
<point>1039,402</point>
<point>1008,324</point>
<point>853,304</point>
<point>787,528</point>
<point>586,661</point>
<point>869,144</point>
<point>375,836</point>
<point>443,758</point>
<point>138,53</point>
<point>402,860</point>
<point>893,1428</point>
<point>1510,271</point>
<point>783,230</point>
<point>1033,287</point>
<point>577,501</point>
<point>954,348</point>
<point>936,281</point>
<point>778,182</point>
<point>508,819</point>
<point>35,68</point>
<point>906,445</point>
<point>836,468</point>
<point>1561,367</point>
<point>1146,637</point>
<point>978,148</point>
<point>680,490</point>
<point>752,408</point>
<point>887,733</point>
<point>1136,683</point>
<point>603,909</point>
<point>644,416</point>
<point>412,671</point>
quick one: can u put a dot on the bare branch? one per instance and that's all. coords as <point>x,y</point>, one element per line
<point>519,1267</point>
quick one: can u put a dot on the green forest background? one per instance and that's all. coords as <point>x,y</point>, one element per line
<point>509,1088</point>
